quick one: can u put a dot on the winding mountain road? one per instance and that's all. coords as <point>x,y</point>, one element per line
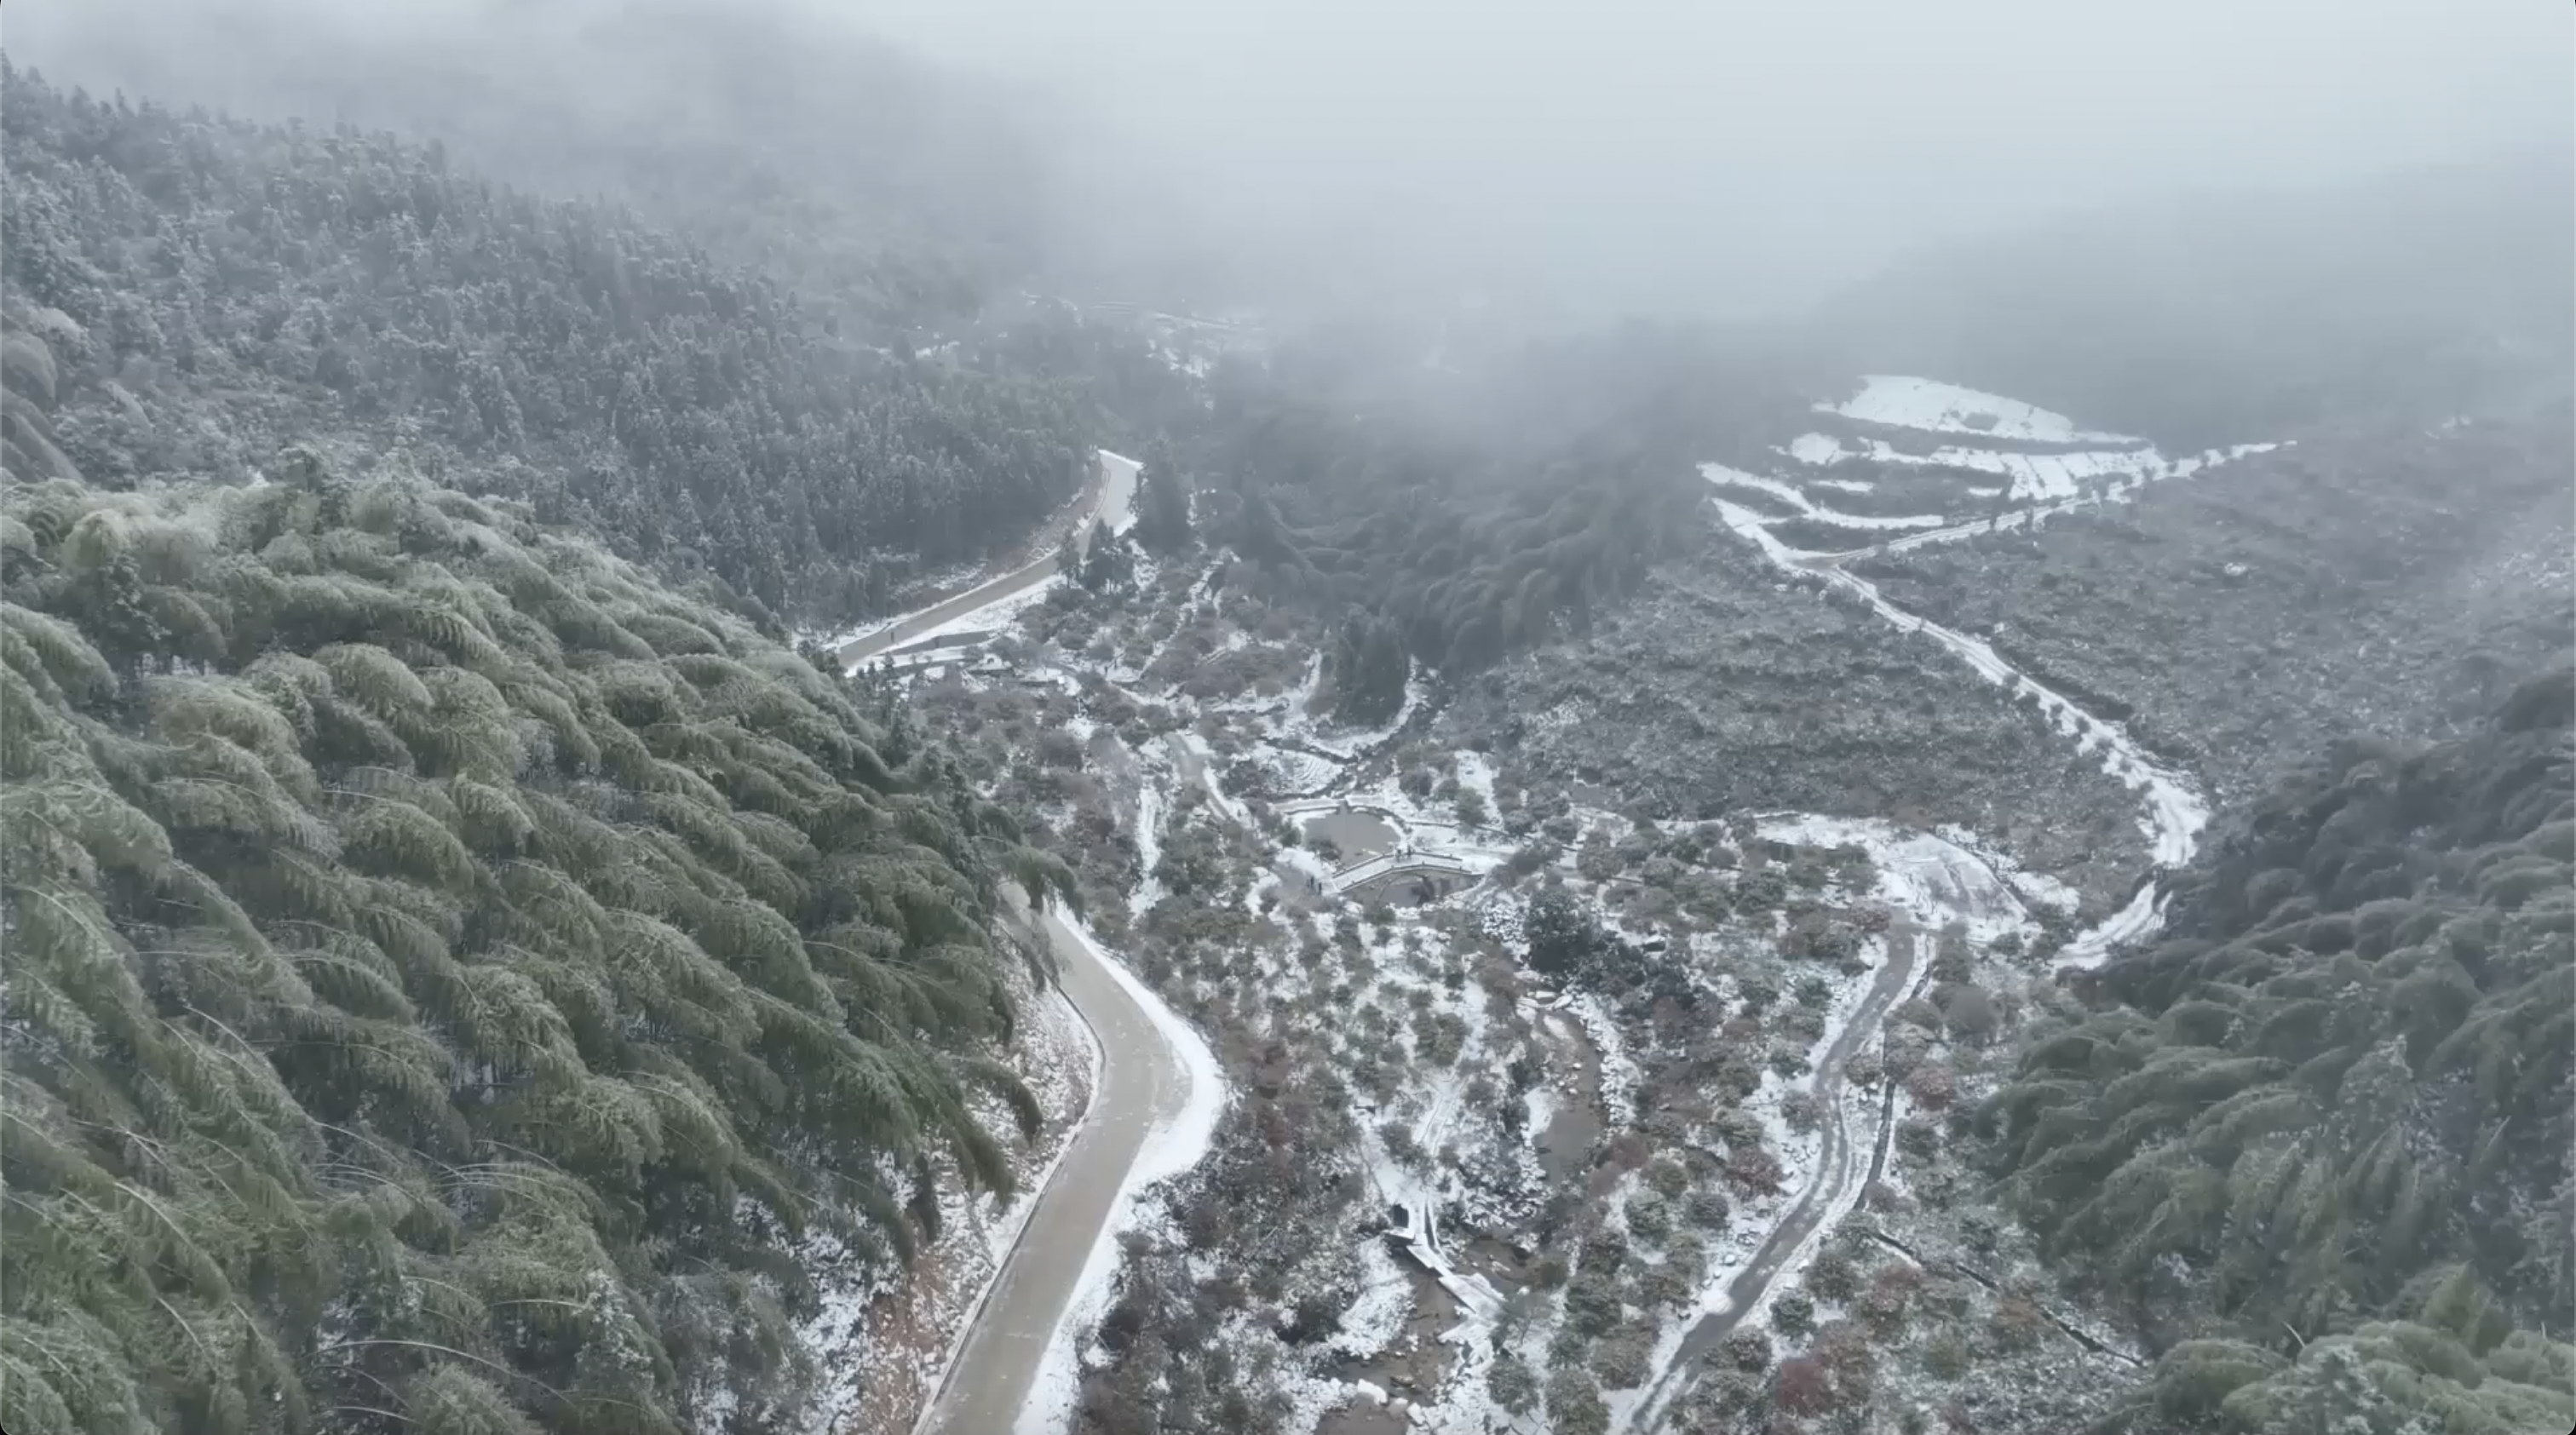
<point>1143,1086</point>
<point>1117,492</point>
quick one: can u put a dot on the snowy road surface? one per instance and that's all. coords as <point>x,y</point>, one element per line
<point>1117,492</point>
<point>1145,1088</point>
<point>1842,1165</point>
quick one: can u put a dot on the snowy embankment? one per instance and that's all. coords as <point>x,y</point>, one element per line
<point>1149,846</point>
<point>1935,878</point>
<point>1117,511</point>
<point>2059,481</point>
<point>1179,1141</point>
<point>2175,811</point>
<point>2029,476</point>
<point>1719,473</point>
<point>1002,594</point>
<point>884,1343</point>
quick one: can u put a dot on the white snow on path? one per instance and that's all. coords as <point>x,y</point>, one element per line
<point>2117,491</point>
<point>1177,1143</point>
<point>1026,584</point>
<point>1932,877</point>
<point>1719,473</point>
<point>1203,757</point>
<point>2175,810</point>
<point>1181,1142</point>
<point>1117,491</point>
<point>2031,476</point>
<point>1903,401</point>
<point>999,616</point>
<point>1803,1172</point>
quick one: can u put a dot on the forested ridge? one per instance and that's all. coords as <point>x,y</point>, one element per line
<point>2316,1141</point>
<point>899,195</point>
<point>212,289</point>
<point>454,981</point>
<point>1452,529</point>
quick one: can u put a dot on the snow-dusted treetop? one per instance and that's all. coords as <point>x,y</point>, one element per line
<point>1929,404</point>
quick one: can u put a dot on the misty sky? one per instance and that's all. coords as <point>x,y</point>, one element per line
<point>1747,153</point>
<point>1647,154</point>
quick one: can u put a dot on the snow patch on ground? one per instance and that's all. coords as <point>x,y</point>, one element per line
<point>2034,477</point>
<point>999,616</point>
<point>1620,1077</point>
<point>1205,761</point>
<point>1376,1315</point>
<point>1149,844</point>
<point>1476,774</point>
<point>1117,492</point>
<point>2033,887</point>
<point>1816,448</point>
<point>1933,877</point>
<point>1904,401</point>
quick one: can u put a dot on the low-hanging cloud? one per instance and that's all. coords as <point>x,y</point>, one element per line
<point>1637,154</point>
<point>1738,154</point>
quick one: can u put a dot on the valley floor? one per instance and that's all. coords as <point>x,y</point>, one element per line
<point>1343,885</point>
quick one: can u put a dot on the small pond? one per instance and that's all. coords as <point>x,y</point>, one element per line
<point>1357,834</point>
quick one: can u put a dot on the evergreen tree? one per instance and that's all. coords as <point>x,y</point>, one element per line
<point>1562,934</point>
<point>212,289</point>
<point>1370,670</point>
<point>1163,503</point>
<point>1068,558</point>
<point>451,976</point>
<point>1110,567</point>
<point>2336,1093</point>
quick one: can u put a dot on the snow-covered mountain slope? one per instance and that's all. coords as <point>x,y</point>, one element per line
<point>1908,461</point>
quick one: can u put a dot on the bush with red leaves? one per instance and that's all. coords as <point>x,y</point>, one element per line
<point>1890,1290</point>
<point>1753,1170</point>
<point>2017,1323</point>
<point>1846,1350</point>
<point>1806,1386</point>
<point>1931,1086</point>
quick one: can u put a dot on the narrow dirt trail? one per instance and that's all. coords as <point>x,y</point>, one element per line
<point>1143,1085</point>
<point>1844,1157</point>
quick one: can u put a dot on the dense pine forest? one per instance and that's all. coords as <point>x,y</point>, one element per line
<point>1453,523</point>
<point>455,982</point>
<point>212,289</point>
<point>2316,1140</point>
